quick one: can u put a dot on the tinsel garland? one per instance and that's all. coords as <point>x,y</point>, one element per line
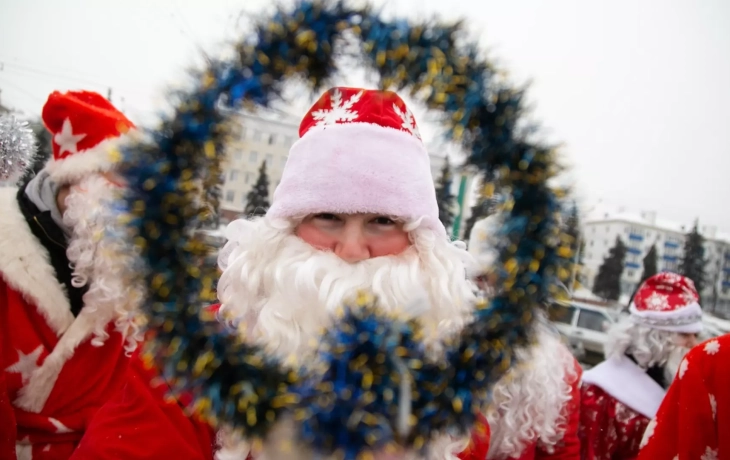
<point>377,386</point>
<point>17,146</point>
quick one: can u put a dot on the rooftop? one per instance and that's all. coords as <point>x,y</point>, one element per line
<point>602,213</point>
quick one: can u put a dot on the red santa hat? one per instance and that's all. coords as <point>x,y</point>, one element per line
<point>82,124</point>
<point>668,302</point>
<point>359,151</point>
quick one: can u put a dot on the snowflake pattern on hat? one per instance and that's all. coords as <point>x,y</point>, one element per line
<point>665,292</point>
<point>340,110</point>
<point>657,302</point>
<point>352,106</point>
<point>409,123</point>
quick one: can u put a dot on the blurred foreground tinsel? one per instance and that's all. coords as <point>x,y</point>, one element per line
<point>17,147</point>
<point>378,386</point>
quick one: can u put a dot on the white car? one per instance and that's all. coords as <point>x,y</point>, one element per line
<point>584,328</point>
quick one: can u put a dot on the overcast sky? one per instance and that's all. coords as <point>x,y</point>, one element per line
<point>638,92</point>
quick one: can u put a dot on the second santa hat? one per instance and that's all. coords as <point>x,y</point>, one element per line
<point>669,302</point>
<point>82,125</point>
<point>359,152</point>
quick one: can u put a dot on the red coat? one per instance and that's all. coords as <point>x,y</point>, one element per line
<point>140,423</point>
<point>53,379</point>
<point>609,429</point>
<point>567,449</point>
<point>693,421</point>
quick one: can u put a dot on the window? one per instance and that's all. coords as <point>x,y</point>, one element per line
<point>257,136</point>
<point>229,196</point>
<point>247,178</point>
<point>233,175</point>
<point>630,273</point>
<point>561,313</point>
<point>288,141</point>
<point>593,320</point>
<point>238,155</point>
<point>272,139</point>
<point>591,243</point>
<point>269,159</point>
<point>253,157</point>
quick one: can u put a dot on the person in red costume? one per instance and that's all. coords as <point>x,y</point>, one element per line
<point>535,408</point>
<point>66,309</point>
<point>694,418</point>
<point>621,395</point>
<point>355,210</point>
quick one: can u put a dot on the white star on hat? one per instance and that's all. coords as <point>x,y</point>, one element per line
<point>66,139</point>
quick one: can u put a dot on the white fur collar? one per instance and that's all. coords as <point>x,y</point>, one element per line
<point>25,265</point>
<point>628,383</point>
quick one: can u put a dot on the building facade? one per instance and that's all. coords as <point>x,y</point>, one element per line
<point>260,137</point>
<point>639,232</point>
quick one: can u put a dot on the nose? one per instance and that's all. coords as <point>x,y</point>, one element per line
<point>692,341</point>
<point>352,246</point>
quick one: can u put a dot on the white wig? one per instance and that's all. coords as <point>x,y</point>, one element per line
<point>529,404</point>
<point>648,346</point>
<point>103,263</point>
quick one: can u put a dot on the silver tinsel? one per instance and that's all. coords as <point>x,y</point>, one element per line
<point>17,147</point>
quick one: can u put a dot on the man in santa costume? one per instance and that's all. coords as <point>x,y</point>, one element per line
<point>621,395</point>
<point>694,418</point>
<point>535,409</point>
<point>65,311</point>
<point>355,210</point>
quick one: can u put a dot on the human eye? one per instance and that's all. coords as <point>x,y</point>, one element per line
<point>383,220</point>
<point>328,217</point>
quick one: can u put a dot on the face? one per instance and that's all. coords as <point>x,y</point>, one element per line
<point>354,237</point>
<point>282,281</point>
<point>686,340</point>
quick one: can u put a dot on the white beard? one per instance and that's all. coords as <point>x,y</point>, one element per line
<point>528,404</point>
<point>672,365</point>
<point>102,260</point>
<point>285,291</point>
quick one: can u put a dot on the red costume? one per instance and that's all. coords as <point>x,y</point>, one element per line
<point>693,421</point>
<point>622,394</point>
<point>524,425</point>
<point>53,377</point>
<point>141,422</point>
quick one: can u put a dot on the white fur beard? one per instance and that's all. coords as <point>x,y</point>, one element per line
<point>101,260</point>
<point>285,292</point>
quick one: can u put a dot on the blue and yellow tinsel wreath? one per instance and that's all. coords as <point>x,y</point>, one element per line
<point>378,387</point>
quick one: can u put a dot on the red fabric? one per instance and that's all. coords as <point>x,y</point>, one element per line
<point>140,423</point>
<point>693,421</point>
<point>88,113</point>
<point>609,430</point>
<point>665,292</point>
<point>84,382</point>
<point>479,442</point>
<point>355,105</point>
<point>8,432</point>
<point>567,449</point>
